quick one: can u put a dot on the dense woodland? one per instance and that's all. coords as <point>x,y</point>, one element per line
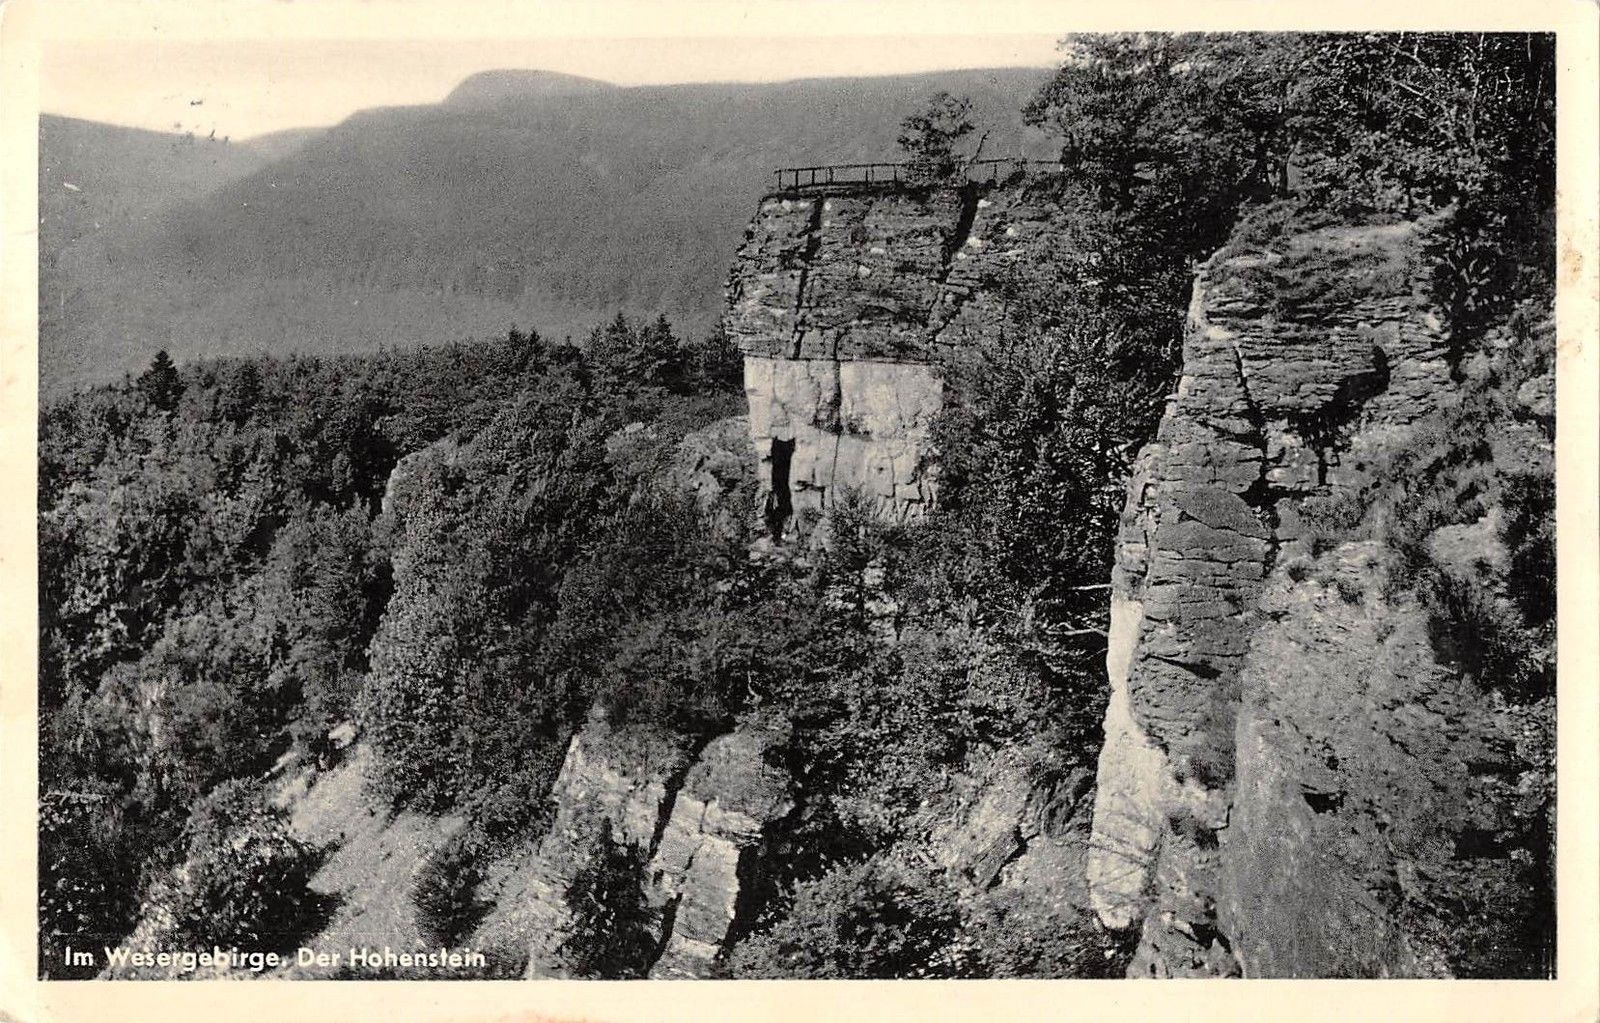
<point>440,545</point>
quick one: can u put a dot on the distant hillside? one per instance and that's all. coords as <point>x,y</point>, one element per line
<point>528,198</point>
<point>102,189</point>
<point>100,177</point>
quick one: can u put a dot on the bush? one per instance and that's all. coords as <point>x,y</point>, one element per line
<point>1206,756</point>
<point>609,933</point>
<point>1024,939</point>
<point>245,882</point>
<point>88,877</point>
<point>880,920</point>
<point>443,890</point>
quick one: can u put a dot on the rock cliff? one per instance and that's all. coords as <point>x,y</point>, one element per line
<point>695,819</point>
<point>1290,774</point>
<point>846,306</point>
<point>1297,779</point>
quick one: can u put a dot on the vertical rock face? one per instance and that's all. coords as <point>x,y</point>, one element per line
<point>1274,769</point>
<point>819,426</point>
<point>729,801</point>
<point>698,820</point>
<point>846,307</point>
<point>625,782</point>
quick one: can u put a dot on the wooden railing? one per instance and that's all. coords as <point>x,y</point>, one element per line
<point>834,175</point>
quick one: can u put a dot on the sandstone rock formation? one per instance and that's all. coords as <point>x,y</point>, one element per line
<point>846,306</point>
<point>1283,760</point>
<point>623,780</point>
<point>713,841</point>
<point>699,817</point>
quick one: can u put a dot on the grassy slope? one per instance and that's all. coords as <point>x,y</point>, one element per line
<point>371,861</point>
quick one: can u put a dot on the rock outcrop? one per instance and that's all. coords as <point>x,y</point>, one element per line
<point>1004,826</point>
<point>713,842</point>
<point>848,307</point>
<point>617,782</point>
<point>697,819</point>
<point>1283,759</point>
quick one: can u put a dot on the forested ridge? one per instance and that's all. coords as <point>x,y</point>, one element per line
<point>466,549</point>
<point>537,200</point>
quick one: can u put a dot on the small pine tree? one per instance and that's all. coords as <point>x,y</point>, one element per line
<point>610,935</point>
<point>659,355</point>
<point>929,138</point>
<point>161,384</point>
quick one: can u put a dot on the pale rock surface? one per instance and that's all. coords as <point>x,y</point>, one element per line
<point>727,806</point>
<point>1290,352</point>
<point>848,308</point>
<point>626,780</point>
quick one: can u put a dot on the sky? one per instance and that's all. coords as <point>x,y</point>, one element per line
<point>305,63</point>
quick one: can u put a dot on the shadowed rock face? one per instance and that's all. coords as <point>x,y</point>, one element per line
<point>1273,385</point>
<point>730,800</point>
<point>1286,762</point>
<point>622,781</point>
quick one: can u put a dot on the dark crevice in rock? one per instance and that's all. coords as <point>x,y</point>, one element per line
<point>1327,429</point>
<point>758,883</point>
<point>1323,802</point>
<point>668,921</point>
<point>780,500</point>
<point>807,256</point>
<point>1480,844</point>
<point>1196,668</point>
<point>1252,410</point>
<point>955,241</point>
<point>962,231</point>
<point>673,784</point>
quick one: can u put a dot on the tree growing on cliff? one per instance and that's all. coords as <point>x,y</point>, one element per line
<point>930,136</point>
<point>609,933</point>
<point>1181,130</point>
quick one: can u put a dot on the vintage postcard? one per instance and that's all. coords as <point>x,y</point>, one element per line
<point>882,510</point>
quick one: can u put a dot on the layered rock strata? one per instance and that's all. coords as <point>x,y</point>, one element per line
<point>620,784</point>
<point>1292,354</point>
<point>721,820</point>
<point>699,820</point>
<point>848,306</point>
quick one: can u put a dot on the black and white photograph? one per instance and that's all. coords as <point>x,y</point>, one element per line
<point>1008,504</point>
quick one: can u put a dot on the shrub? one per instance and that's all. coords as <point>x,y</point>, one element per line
<point>87,877</point>
<point>1182,822</point>
<point>880,919</point>
<point>443,890</point>
<point>1348,589</point>
<point>1206,756</point>
<point>1020,937</point>
<point>1484,635</point>
<point>245,880</point>
<point>610,933</point>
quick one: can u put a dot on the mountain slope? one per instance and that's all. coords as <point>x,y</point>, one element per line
<point>104,177</point>
<point>530,198</point>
